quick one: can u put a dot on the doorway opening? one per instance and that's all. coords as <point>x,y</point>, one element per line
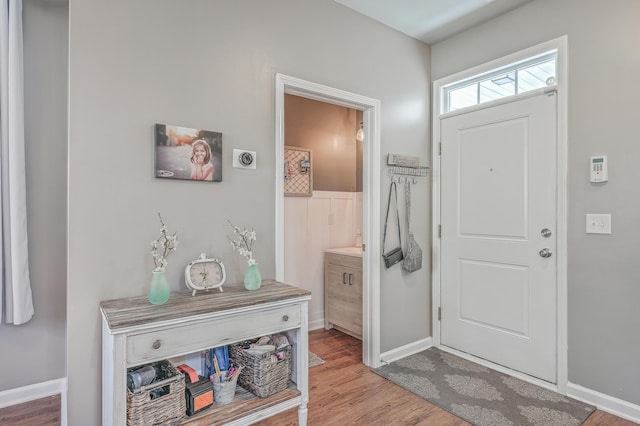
<point>370,217</point>
<point>323,210</point>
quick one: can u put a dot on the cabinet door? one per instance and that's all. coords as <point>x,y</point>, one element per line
<point>333,283</point>
<point>344,298</point>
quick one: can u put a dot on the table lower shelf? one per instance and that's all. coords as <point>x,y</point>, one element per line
<point>246,407</point>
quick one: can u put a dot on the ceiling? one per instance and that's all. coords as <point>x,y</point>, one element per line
<point>432,20</point>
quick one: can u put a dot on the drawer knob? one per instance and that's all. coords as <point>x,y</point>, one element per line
<point>156,344</point>
<point>285,318</point>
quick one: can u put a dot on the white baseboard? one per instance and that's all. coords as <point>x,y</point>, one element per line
<point>604,402</point>
<point>36,391</point>
<point>406,350</point>
<point>316,325</point>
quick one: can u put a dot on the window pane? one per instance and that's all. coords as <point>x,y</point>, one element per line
<point>498,87</point>
<point>535,76</point>
<point>463,97</point>
<point>511,80</point>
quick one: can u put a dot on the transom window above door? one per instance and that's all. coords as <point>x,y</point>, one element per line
<point>511,80</point>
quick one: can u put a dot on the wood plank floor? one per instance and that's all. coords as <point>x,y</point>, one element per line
<point>41,412</point>
<point>343,391</point>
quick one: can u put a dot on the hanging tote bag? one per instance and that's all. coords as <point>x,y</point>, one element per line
<point>393,256</point>
<point>413,257</point>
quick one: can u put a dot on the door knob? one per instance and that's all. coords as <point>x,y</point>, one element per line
<point>546,232</point>
<point>545,252</point>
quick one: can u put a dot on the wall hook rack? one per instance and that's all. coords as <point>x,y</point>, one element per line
<point>405,166</point>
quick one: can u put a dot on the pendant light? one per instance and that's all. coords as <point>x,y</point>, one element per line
<point>360,133</point>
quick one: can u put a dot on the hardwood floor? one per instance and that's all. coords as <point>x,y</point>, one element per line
<point>41,412</point>
<point>343,391</point>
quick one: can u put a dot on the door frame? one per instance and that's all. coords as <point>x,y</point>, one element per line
<point>370,192</point>
<point>559,44</point>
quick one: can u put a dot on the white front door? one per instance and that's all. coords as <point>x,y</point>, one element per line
<point>498,214</point>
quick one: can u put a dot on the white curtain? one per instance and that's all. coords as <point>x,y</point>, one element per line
<point>16,297</point>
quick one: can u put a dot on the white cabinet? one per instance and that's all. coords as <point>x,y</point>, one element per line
<point>343,293</point>
<point>134,332</point>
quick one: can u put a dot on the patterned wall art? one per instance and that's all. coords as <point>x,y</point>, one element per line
<point>298,176</point>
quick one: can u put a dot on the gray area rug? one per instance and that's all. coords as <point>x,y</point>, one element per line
<point>480,395</point>
<point>314,360</point>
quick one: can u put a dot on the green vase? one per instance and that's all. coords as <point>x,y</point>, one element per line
<point>252,278</point>
<point>158,288</point>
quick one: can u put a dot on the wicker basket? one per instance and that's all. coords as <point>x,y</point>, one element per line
<point>161,402</point>
<point>265,374</point>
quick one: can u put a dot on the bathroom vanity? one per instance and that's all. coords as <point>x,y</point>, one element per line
<point>343,290</point>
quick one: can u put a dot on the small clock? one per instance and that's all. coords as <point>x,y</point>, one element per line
<point>204,273</point>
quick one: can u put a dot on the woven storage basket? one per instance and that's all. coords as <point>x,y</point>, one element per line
<point>265,374</point>
<point>144,408</point>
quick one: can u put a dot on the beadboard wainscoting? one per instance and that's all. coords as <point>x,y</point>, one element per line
<point>313,224</point>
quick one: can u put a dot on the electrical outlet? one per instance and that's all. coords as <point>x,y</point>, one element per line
<point>598,224</point>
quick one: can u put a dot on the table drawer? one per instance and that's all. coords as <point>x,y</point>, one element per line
<point>193,337</point>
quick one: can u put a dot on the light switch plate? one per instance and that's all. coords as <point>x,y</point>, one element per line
<point>598,224</point>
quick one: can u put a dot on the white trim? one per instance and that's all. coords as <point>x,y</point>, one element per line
<point>371,196</point>
<point>562,204</point>
<point>28,393</point>
<point>561,45</point>
<point>610,404</point>
<point>316,324</point>
<point>406,350</point>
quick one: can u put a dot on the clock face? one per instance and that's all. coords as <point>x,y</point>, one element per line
<point>204,273</point>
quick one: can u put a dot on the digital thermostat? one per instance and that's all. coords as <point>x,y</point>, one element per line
<point>244,159</point>
<point>598,169</point>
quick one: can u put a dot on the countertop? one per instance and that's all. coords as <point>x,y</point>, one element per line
<point>121,314</point>
<point>347,251</point>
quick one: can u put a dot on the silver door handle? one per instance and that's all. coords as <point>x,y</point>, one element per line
<point>545,252</point>
<point>546,232</point>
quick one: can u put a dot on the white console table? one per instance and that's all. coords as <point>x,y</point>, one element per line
<point>134,332</point>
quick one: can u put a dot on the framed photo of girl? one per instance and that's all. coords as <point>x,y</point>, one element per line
<point>188,154</point>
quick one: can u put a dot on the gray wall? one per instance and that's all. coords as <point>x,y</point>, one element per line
<point>211,64</point>
<point>604,89</point>
<point>35,352</point>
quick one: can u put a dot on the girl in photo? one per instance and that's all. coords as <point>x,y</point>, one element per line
<point>201,167</point>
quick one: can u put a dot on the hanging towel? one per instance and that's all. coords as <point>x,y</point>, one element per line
<point>413,255</point>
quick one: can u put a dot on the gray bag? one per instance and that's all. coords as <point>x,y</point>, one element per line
<point>413,255</point>
<point>394,255</point>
